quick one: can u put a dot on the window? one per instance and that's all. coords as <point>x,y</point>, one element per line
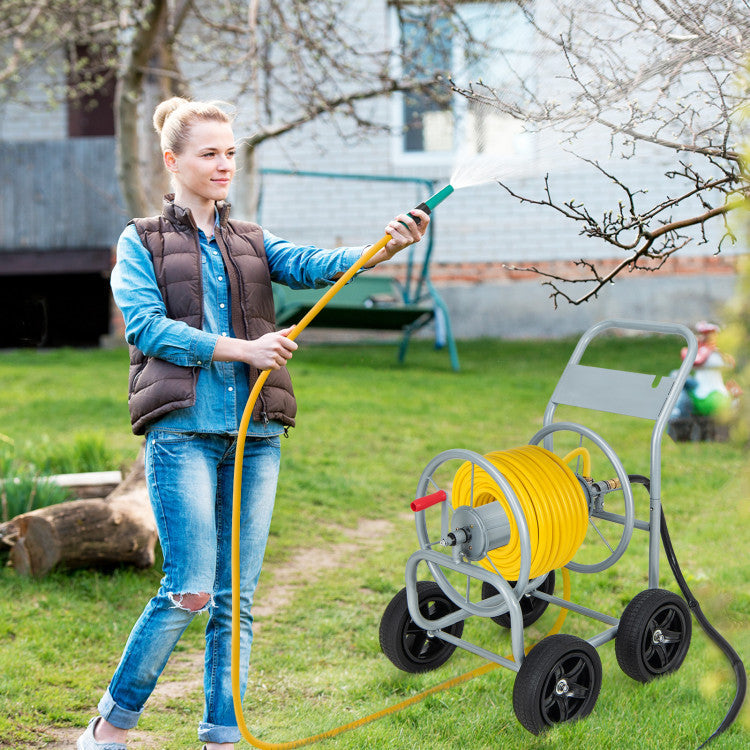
<point>479,41</point>
<point>91,78</point>
<point>428,122</point>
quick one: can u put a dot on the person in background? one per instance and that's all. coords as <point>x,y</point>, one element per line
<point>194,288</point>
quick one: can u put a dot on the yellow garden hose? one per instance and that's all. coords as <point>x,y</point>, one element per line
<point>237,497</point>
<point>237,487</point>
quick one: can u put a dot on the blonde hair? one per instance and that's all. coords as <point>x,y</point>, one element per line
<point>174,117</point>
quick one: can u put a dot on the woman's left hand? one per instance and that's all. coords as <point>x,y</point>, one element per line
<point>405,230</point>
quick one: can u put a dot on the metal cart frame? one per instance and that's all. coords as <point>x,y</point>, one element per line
<point>594,388</point>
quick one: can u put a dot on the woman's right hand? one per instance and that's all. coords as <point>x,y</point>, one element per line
<point>269,352</point>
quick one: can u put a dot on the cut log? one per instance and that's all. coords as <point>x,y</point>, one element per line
<point>99,532</point>
<point>89,484</point>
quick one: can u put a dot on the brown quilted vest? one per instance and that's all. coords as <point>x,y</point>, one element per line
<point>156,386</point>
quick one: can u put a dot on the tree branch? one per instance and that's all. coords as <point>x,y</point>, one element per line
<point>600,280</point>
<point>127,98</point>
<point>328,105</point>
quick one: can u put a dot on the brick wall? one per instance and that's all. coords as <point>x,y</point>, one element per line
<point>446,273</point>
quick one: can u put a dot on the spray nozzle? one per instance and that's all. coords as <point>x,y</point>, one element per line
<point>436,199</point>
<point>433,201</point>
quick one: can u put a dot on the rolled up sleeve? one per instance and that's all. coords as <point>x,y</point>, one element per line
<point>306,266</point>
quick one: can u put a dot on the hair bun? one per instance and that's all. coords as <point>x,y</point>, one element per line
<point>165,109</point>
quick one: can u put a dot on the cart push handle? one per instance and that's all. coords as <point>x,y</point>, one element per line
<point>428,500</point>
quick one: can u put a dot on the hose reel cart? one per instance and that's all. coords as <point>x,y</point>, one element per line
<point>505,522</point>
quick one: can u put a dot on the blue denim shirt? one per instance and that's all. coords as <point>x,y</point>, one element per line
<point>222,389</point>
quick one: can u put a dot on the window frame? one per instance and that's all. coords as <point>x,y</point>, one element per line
<point>459,105</point>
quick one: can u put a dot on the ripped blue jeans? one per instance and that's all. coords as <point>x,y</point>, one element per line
<point>190,478</point>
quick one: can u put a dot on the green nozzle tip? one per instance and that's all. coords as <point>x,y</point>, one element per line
<point>439,197</point>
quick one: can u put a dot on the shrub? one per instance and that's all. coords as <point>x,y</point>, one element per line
<point>88,452</point>
<point>22,489</point>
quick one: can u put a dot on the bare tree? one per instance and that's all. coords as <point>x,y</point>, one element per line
<point>655,74</point>
<point>292,61</point>
<point>659,76</point>
<point>31,32</point>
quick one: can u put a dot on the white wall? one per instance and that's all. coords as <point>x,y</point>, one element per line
<point>33,117</point>
<point>481,224</point>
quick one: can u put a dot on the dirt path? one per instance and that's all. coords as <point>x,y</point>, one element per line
<point>184,672</point>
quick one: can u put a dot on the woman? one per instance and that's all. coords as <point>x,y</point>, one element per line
<point>194,288</point>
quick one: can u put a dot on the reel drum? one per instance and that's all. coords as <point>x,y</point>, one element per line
<point>485,520</point>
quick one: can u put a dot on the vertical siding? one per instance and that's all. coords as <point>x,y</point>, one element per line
<point>59,194</point>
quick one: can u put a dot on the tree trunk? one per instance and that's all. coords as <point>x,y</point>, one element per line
<point>246,186</point>
<point>119,529</point>
<point>128,93</point>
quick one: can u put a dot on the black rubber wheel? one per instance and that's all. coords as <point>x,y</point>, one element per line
<point>532,608</point>
<point>408,646</point>
<point>653,636</point>
<point>559,680</point>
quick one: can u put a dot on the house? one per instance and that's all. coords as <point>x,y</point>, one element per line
<point>61,213</point>
<point>62,209</point>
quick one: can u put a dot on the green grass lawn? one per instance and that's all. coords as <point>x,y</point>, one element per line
<point>367,427</point>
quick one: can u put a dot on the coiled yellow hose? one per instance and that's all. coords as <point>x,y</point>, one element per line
<point>552,499</point>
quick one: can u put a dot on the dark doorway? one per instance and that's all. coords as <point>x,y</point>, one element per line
<point>53,310</point>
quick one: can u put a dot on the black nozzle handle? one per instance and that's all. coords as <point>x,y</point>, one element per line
<point>421,207</point>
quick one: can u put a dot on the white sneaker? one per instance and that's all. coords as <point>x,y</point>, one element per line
<point>87,742</point>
